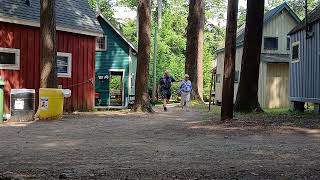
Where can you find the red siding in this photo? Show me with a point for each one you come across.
(27, 39)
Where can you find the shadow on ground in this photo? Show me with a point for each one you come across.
(164, 145)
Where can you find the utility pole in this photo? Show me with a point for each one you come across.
(155, 48)
(229, 61)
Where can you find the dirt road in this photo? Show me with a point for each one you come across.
(172, 145)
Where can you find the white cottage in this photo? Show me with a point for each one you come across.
(275, 58)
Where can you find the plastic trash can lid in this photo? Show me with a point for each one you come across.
(66, 93)
(17, 91)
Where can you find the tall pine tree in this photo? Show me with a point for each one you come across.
(229, 62)
(48, 77)
(247, 97)
(142, 102)
(194, 50)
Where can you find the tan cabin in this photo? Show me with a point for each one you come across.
(275, 58)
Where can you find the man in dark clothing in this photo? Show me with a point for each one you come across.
(165, 88)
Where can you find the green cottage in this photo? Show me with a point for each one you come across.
(116, 62)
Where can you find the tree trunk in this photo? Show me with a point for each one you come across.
(48, 76)
(142, 102)
(194, 49)
(229, 62)
(247, 97)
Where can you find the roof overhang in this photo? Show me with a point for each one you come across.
(119, 33)
(220, 50)
(59, 27)
(275, 58)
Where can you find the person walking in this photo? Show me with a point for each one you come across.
(165, 88)
(185, 92)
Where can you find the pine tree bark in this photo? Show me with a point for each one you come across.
(247, 97)
(194, 49)
(48, 76)
(142, 101)
(229, 61)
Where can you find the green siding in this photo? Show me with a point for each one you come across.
(115, 57)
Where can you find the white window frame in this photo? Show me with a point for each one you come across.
(105, 44)
(299, 55)
(66, 75)
(15, 66)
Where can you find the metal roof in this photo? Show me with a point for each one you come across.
(267, 18)
(71, 15)
(313, 17)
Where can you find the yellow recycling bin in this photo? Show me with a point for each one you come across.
(51, 103)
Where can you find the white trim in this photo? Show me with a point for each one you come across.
(118, 32)
(302, 99)
(37, 24)
(130, 71)
(15, 66)
(123, 80)
(299, 54)
(105, 43)
(69, 56)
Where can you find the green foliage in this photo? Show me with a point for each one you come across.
(242, 16)
(129, 29)
(172, 35)
(128, 3)
(106, 8)
(115, 82)
(296, 5)
(172, 39)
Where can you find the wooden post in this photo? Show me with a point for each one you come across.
(229, 61)
(211, 85)
(154, 70)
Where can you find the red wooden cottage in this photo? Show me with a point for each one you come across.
(77, 29)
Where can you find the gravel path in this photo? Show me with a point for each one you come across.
(172, 145)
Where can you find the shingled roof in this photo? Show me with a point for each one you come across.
(267, 18)
(313, 17)
(71, 15)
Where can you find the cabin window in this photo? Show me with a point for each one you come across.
(64, 61)
(295, 51)
(218, 78)
(271, 43)
(9, 58)
(288, 43)
(101, 43)
(236, 76)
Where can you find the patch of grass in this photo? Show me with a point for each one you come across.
(198, 104)
(94, 110)
(299, 123)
